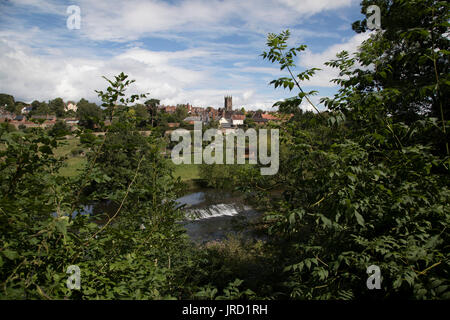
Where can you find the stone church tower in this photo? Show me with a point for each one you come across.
(228, 103)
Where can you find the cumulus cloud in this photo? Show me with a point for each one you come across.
(309, 59)
(43, 77)
(117, 20)
(42, 61)
(314, 6)
(30, 76)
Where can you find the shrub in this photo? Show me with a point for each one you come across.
(87, 138)
(76, 151)
(8, 127)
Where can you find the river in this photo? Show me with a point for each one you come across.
(210, 214)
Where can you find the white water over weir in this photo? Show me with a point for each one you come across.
(216, 210)
(212, 214)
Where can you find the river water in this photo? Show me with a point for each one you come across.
(210, 214)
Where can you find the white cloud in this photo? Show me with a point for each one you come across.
(42, 77)
(31, 76)
(314, 6)
(119, 20)
(56, 62)
(164, 75)
(47, 6)
(309, 59)
(247, 95)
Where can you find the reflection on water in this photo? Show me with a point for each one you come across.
(98, 211)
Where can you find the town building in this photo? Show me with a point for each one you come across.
(169, 109)
(192, 120)
(173, 124)
(71, 106)
(26, 109)
(228, 105)
(238, 119)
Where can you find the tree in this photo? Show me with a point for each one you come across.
(352, 197)
(142, 115)
(39, 108)
(411, 57)
(19, 105)
(59, 129)
(7, 102)
(89, 114)
(152, 108)
(35, 105)
(249, 122)
(57, 107)
(38, 211)
(8, 127)
(181, 113)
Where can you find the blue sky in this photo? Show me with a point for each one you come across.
(179, 51)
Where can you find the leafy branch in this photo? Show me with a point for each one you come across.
(278, 53)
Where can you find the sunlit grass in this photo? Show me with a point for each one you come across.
(187, 171)
(73, 163)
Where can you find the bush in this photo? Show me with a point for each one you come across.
(59, 129)
(87, 138)
(8, 127)
(76, 151)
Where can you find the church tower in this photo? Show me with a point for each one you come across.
(228, 103)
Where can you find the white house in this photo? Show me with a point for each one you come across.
(26, 110)
(238, 119)
(224, 121)
(71, 106)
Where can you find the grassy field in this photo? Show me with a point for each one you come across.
(185, 171)
(72, 163)
(66, 146)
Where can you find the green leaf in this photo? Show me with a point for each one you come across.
(10, 254)
(61, 225)
(359, 218)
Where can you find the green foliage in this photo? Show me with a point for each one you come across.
(416, 74)
(8, 127)
(181, 113)
(115, 94)
(59, 129)
(7, 102)
(135, 253)
(89, 114)
(249, 123)
(87, 138)
(374, 194)
(56, 106)
(285, 57)
(365, 183)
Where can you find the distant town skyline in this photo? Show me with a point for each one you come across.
(194, 51)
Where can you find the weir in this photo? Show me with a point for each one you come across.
(212, 214)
